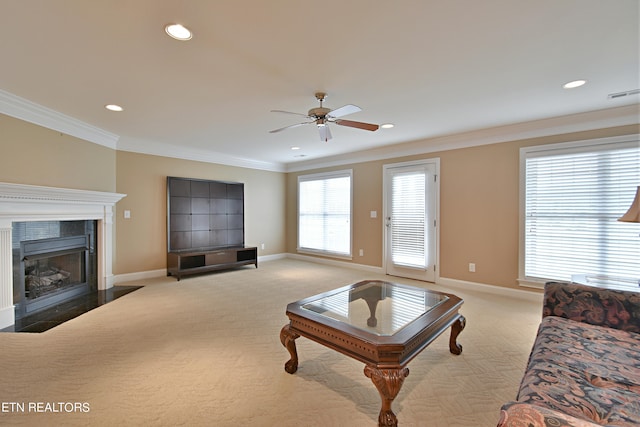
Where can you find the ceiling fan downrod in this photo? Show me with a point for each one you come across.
(322, 116)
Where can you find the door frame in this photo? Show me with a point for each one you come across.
(385, 211)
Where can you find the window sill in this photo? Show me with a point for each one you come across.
(531, 283)
(608, 282)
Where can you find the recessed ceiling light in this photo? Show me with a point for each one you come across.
(178, 32)
(387, 126)
(295, 148)
(574, 84)
(113, 107)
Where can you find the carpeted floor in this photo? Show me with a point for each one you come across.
(205, 351)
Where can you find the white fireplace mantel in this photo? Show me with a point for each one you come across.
(19, 202)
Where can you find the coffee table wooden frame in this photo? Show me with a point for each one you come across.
(385, 357)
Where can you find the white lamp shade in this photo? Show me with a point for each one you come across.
(633, 214)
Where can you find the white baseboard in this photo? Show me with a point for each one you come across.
(336, 263)
(443, 281)
(264, 258)
(141, 275)
(152, 274)
(491, 289)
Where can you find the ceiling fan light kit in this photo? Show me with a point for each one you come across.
(322, 116)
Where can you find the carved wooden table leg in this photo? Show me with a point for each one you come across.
(388, 382)
(288, 339)
(456, 328)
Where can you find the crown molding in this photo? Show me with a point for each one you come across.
(591, 120)
(179, 152)
(23, 109)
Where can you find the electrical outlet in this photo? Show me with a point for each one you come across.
(127, 214)
(262, 245)
(472, 267)
(361, 252)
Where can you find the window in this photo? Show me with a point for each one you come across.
(571, 197)
(324, 213)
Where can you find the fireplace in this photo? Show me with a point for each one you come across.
(51, 270)
(31, 204)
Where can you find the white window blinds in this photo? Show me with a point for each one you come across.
(573, 198)
(324, 213)
(408, 216)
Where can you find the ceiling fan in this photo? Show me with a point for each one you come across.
(322, 116)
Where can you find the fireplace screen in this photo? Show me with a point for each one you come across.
(52, 270)
(53, 273)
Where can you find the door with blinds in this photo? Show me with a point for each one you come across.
(410, 219)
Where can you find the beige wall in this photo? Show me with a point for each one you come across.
(367, 197)
(478, 207)
(478, 198)
(38, 156)
(141, 242)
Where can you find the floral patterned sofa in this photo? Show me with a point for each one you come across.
(584, 368)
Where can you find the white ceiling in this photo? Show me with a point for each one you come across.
(432, 67)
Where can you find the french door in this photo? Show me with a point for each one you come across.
(410, 219)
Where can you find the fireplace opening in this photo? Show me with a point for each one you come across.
(52, 270)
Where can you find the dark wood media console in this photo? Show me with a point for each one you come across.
(205, 227)
(192, 262)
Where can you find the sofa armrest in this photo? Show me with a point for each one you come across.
(517, 414)
(589, 304)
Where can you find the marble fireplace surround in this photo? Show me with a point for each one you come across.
(20, 202)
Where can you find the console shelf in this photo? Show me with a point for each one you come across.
(192, 262)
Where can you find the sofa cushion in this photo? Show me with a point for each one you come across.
(587, 371)
(598, 306)
(516, 414)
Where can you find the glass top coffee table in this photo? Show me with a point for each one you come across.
(384, 325)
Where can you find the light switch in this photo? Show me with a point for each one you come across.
(374, 214)
(127, 214)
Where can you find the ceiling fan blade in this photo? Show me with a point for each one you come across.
(289, 127)
(289, 112)
(344, 110)
(325, 133)
(359, 125)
